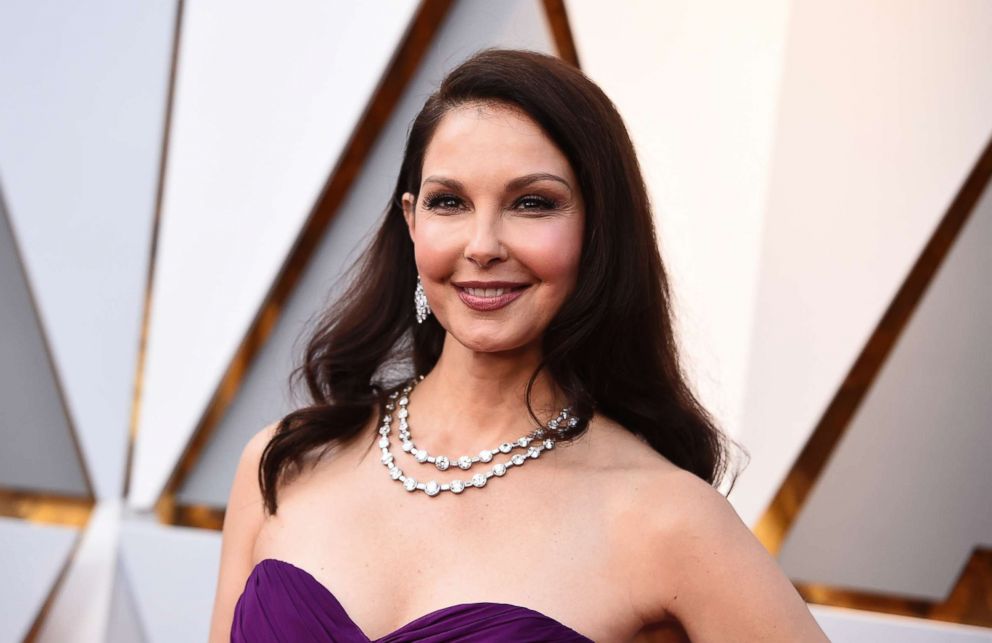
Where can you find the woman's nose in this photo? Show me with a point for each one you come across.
(484, 244)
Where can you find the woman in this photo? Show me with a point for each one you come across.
(501, 445)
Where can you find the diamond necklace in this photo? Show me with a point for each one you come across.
(464, 462)
(433, 487)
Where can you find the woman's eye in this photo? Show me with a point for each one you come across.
(444, 201)
(534, 202)
(441, 202)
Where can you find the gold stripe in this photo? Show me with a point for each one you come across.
(561, 31)
(46, 508)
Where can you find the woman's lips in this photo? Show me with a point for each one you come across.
(489, 303)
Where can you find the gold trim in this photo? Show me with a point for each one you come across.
(401, 68)
(966, 604)
(199, 516)
(774, 525)
(46, 508)
(561, 31)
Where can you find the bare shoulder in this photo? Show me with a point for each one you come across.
(691, 559)
(243, 519)
(245, 500)
(257, 443)
(724, 583)
(245, 493)
(663, 498)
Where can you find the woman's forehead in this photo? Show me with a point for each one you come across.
(476, 139)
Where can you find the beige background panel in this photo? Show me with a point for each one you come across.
(905, 497)
(882, 117)
(257, 125)
(698, 86)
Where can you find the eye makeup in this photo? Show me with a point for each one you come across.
(448, 201)
(434, 201)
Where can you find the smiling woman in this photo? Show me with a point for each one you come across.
(513, 302)
(497, 232)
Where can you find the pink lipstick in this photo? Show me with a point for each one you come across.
(478, 301)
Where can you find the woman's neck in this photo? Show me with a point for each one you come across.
(475, 400)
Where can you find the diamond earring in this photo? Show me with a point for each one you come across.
(420, 302)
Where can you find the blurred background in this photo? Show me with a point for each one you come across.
(182, 182)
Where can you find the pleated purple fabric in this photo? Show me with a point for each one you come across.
(282, 602)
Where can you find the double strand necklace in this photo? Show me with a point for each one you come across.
(555, 427)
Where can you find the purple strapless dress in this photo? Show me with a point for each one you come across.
(282, 602)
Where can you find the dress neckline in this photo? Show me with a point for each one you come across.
(337, 603)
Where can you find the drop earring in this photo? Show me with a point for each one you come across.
(420, 302)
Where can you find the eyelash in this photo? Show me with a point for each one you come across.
(433, 201)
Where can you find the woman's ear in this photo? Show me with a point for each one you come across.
(409, 201)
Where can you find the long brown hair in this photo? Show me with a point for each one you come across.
(611, 346)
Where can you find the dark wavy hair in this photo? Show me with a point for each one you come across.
(610, 348)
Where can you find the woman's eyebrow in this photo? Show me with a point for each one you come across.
(515, 184)
(451, 183)
(527, 179)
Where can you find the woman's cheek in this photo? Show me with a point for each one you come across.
(436, 251)
(551, 252)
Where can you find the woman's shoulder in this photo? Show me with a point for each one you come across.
(647, 483)
(689, 558)
(653, 506)
(255, 445)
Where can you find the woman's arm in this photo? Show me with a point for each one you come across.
(242, 521)
(723, 584)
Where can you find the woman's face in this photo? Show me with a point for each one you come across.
(497, 227)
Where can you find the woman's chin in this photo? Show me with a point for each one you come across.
(483, 341)
(486, 346)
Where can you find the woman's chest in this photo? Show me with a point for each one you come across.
(390, 556)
